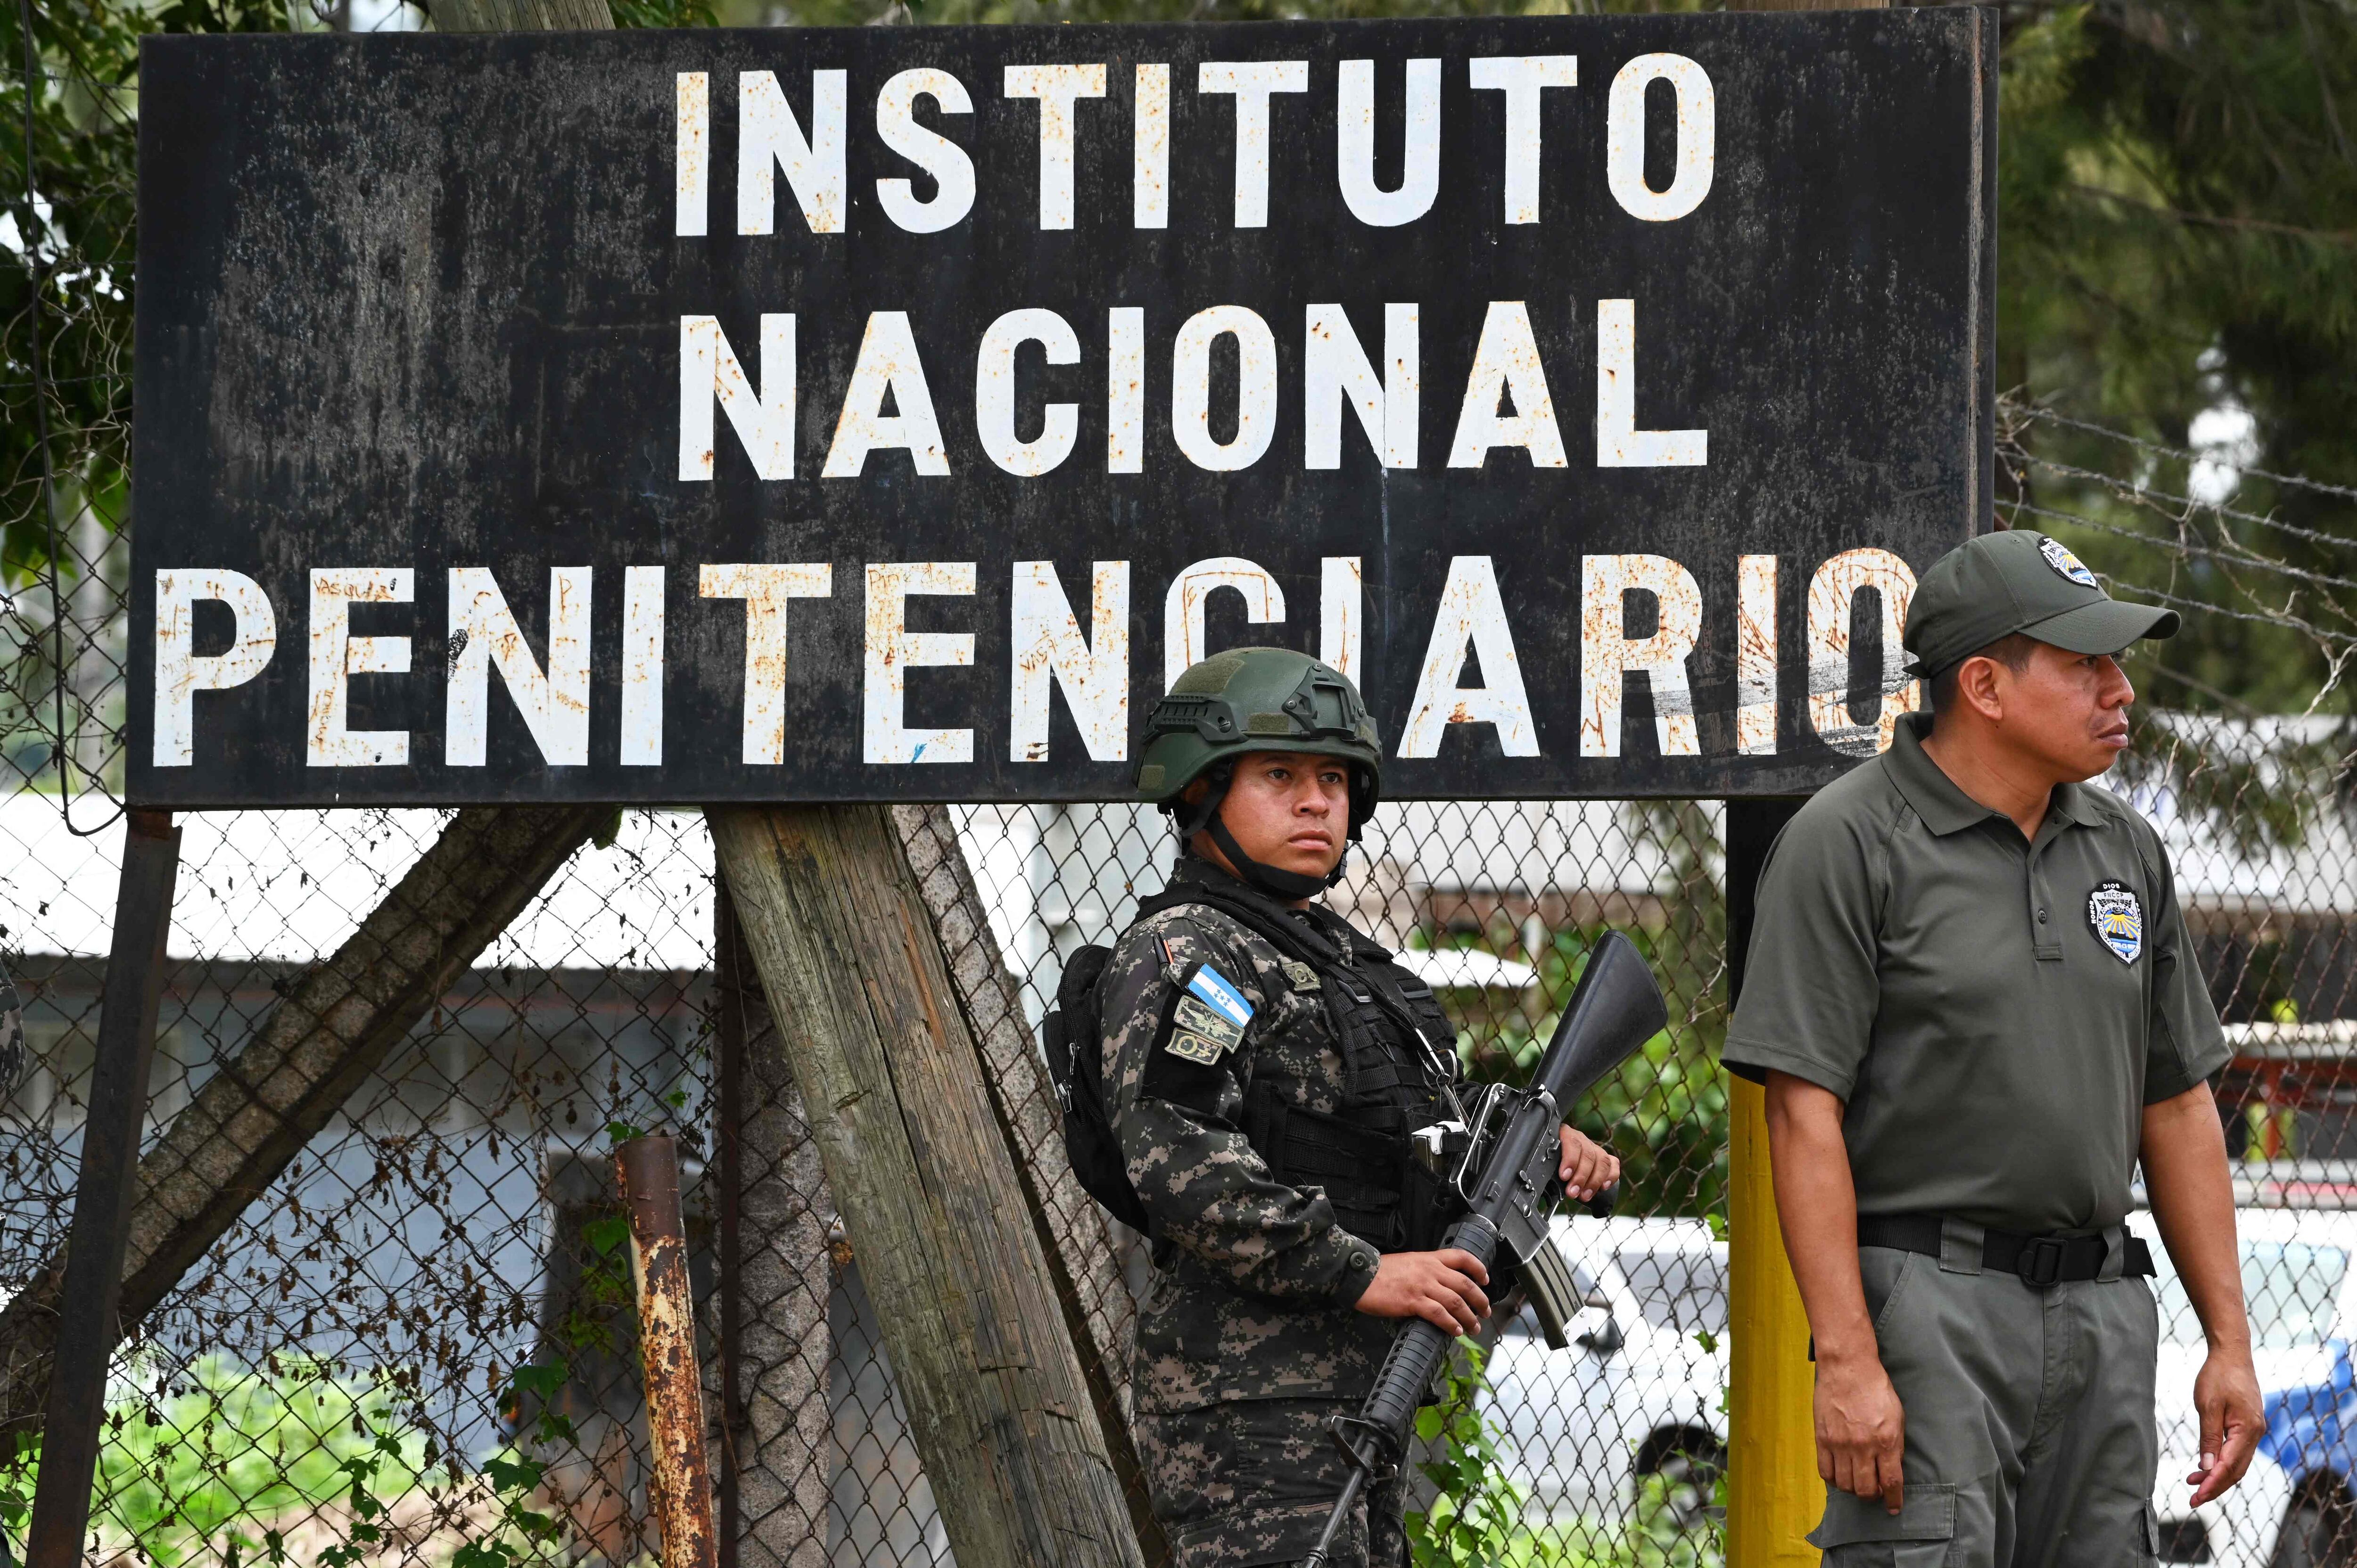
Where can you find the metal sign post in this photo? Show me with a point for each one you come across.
(88, 1330)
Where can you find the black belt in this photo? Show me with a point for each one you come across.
(2040, 1261)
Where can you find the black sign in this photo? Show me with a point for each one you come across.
(888, 413)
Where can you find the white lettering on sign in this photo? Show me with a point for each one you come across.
(642, 666)
(1607, 653)
(766, 589)
(484, 634)
(1522, 78)
(1251, 82)
(1472, 617)
(952, 170)
(1507, 400)
(1334, 368)
(1832, 592)
(1354, 146)
(336, 654)
(1149, 164)
(1182, 608)
(181, 672)
(1190, 388)
(893, 649)
(709, 373)
(1125, 389)
(1055, 87)
(770, 138)
(994, 392)
(1342, 614)
(692, 155)
(1506, 365)
(1619, 443)
(1624, 137)
(1755, 655)
(1048, 649)
(887, 364)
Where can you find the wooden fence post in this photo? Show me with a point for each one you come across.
(997, 1404)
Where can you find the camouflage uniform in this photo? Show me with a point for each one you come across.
(1247, 1342)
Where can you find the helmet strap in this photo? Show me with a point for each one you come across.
(1274, 881)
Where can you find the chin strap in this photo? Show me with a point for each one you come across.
(1272, 880)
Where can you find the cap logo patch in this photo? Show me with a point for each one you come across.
(2117, 920)
(2066, 564)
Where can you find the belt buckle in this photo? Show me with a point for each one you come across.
(2041, 1263)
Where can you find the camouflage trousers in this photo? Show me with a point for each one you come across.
(1248, 1484)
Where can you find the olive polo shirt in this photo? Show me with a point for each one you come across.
(1994, 1013)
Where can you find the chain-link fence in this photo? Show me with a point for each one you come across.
(403, 1335)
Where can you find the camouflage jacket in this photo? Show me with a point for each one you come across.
(1255, 1281)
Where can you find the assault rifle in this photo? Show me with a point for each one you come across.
(1505, 1156)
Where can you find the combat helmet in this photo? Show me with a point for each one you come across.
(1255, 699)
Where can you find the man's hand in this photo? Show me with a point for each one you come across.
(2227, 1396)
(2192, 1194)
(1444, 1288)
(1861, 1429)
(1587, 1167)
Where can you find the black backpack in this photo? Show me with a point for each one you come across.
(1075, 1035)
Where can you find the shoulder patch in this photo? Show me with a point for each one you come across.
(1220, 993)
(2116, 917)
(1196, 1017)
(1193, 1047)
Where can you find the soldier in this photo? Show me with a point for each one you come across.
(1972, 997)
(1264, 1063)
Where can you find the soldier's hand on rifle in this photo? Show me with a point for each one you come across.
(1587, 1167)
(1444, 1288)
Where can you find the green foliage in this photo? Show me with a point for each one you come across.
(2178, 195)
(1478, 1518)
(514, 1478)
(1666, 1111)
(229, 1447)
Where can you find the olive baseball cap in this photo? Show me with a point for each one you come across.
(2016, 581)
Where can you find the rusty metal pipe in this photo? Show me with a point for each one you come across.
(648, 1171)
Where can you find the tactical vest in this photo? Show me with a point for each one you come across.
(1360, 1154)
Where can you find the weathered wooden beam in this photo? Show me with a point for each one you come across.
(1084, 1265)
(998, 1406)
(316, 1045)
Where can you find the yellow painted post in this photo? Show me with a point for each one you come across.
(1773, 1493)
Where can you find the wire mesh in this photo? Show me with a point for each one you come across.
(408, 1339)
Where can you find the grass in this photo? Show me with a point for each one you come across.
(226, 1448)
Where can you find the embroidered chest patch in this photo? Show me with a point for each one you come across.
(1300, 975)
(2116, 917)
(2066, 564)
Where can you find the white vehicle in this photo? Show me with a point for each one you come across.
(1637, 1393)
(2291, 1509)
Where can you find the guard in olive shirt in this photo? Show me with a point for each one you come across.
(1973, 1001)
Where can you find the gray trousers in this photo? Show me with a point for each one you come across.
(2030, 1418)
